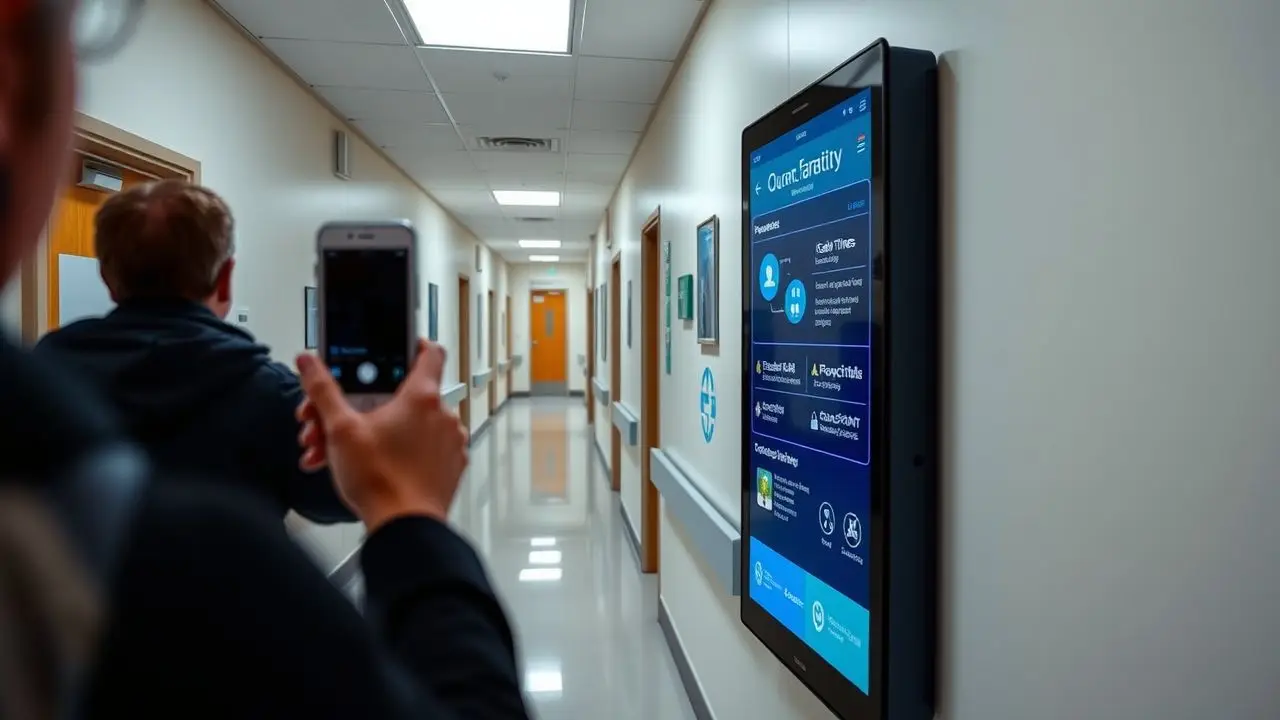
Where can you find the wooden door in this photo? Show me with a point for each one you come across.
(615, 369)
(464, 348)
(492, 363)
(549, 346)
(71, 230)
(651, 339)
(506, 346)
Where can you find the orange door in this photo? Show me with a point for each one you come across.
(71, 229)
(550, 341)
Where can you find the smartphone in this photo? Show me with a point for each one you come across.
(367, 280)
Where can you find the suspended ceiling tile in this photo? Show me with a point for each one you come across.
(610, 28)
(601, 78)
(622, 116)
(511, 73)
(367, 104)
(355, 21)
(382, 67)
(604, 142)
(498, 110)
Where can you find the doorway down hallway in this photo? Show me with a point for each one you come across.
(536, 503)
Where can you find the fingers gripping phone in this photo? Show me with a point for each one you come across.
(367, 282)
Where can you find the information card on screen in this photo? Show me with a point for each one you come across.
(810, 386)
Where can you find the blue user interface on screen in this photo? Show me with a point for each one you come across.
(809, 446)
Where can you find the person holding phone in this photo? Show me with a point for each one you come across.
(124, 594)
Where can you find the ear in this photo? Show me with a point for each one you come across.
(222, 285)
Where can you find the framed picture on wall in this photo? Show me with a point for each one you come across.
(433, 312)
(604, 320)
(708, 280)
(628, 313)
(479, 325)
(311, 308)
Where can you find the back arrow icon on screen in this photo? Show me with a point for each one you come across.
(757, 188)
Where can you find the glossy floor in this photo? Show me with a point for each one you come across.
(537, 504)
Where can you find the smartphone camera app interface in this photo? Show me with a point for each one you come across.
(810, 383)
(366, 314)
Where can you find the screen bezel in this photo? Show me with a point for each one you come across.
(370, 236)
(837, 692)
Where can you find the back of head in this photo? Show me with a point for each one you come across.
(164, 240)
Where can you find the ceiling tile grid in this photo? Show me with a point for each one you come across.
(428, 107)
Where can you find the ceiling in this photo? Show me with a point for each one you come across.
(427, 106)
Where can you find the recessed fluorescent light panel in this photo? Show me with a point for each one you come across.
(540, 244)
(541, 574)
(540, 26)
(544, 557)
(542, 542)
(544, 258)
(531, 198)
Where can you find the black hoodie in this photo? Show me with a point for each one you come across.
(202, 396)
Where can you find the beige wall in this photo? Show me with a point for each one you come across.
(1110, 435)
(192, 83)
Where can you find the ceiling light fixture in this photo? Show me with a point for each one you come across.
(544, 557)
(544, 258)
(541, 574)
(540, 244)
(542, 26)
(535, 198)
(542, 542)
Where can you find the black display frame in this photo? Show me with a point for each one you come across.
(904, 384)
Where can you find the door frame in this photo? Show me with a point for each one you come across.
(591, 356)
(651, 333)
(493, 355)
(506, 347)
(615, 367)
(103, 141)
(464, 347)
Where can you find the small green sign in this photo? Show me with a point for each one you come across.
(685, 294)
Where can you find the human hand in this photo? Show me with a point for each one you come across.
(404, 458)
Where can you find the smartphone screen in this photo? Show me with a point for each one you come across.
(366, 316)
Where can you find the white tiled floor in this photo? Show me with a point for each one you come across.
(537, 504)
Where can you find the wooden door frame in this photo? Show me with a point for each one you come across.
(464, 346)
(507, 345)
(650, 384)
(591, 356)
(615, 368)
(493, 355)
(97, 140)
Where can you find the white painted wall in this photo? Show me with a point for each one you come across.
(570, 277)
(1110, 436)
(192, 83)
(11, 309)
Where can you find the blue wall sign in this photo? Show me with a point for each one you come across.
(707, 405)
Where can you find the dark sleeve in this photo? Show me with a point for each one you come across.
(219, 614)
(310, 494)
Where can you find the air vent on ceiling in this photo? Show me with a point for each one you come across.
(534, 219)
(508, 143)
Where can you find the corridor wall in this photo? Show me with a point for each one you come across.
(191, 82)
(1108, 175)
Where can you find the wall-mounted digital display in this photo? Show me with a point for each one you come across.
(816, 447)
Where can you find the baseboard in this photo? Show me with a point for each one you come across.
(688, 678)
(632, 538)
(475, 436)
(577, 393)
(595, 442)
(347, 570)
(519, 394)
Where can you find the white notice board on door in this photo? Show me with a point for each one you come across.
(81, 292)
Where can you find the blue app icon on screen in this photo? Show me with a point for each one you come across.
(769, 277)
(795, 301)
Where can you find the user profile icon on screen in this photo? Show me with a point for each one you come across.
(764, 488)
(769, 277)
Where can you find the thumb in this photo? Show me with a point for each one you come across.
(428, 366)
(322, 389)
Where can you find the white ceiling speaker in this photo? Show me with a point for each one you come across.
(341, 155)
(101, 177)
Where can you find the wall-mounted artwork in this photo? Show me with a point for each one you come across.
(433, 312)
(709, 281)
(628, 313)
(479, 325)
(684, 297)
(311, 310)
(604, 321)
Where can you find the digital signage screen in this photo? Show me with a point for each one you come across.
(815, 364)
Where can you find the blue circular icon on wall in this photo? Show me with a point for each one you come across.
(795, 301)
(707, 406)
(770, 277)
